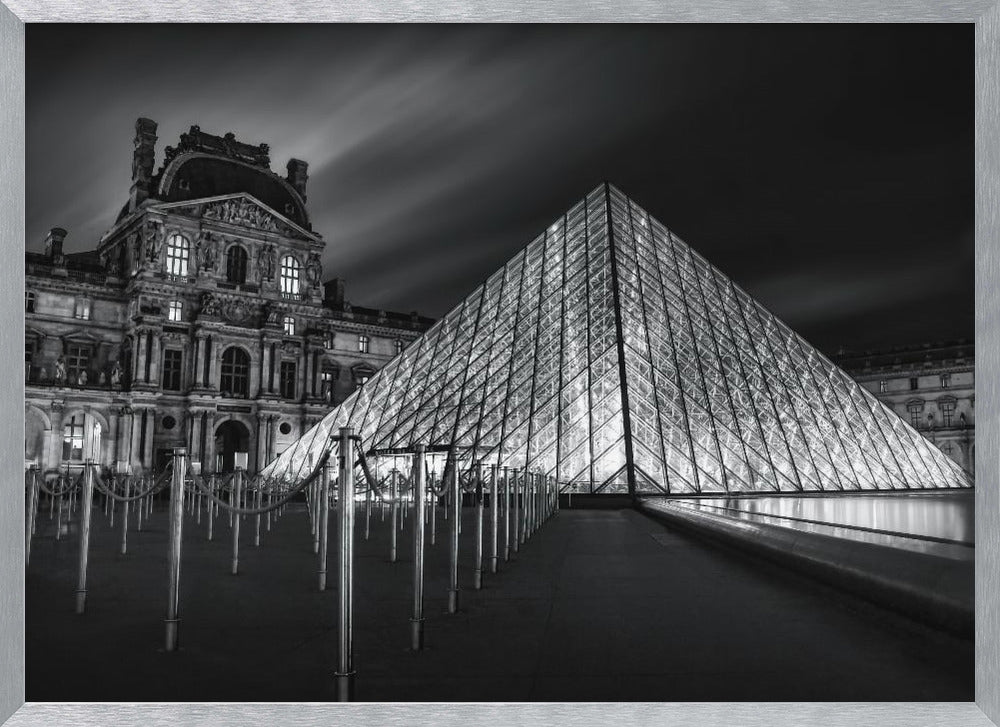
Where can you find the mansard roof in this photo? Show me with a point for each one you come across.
(205, 165)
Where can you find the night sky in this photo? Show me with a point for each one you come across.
(827, 169)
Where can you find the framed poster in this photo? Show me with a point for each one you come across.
(986, 707)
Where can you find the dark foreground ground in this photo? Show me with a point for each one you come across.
(600, 605)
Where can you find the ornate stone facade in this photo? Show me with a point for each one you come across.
(932, 386)
(200, 320)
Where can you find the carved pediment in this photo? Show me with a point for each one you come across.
(82, 338)
(245, 213)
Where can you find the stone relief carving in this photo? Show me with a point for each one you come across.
(268, 314)
(241, 212)
(237, 311)
(209, 305)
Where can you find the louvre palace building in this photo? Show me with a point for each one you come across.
(932, 386)
(202, 319)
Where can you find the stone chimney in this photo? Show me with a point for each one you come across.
(334, 292)
(143, 158)
(54, 245)
(297, 176)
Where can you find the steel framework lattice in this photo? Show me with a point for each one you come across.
(610, 355)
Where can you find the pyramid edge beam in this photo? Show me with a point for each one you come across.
(620, 347)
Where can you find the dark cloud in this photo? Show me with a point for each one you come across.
(827, 169)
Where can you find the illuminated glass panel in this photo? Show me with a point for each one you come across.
(290, 273)
(610, 355)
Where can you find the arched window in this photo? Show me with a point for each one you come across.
(178, 255)
(235, 376)
(236, 265)
(291, 272)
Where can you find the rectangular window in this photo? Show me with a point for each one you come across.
(29, 356)
(29, 301)
(81, 309)
(72, 448)
(883, 386)
(174, 310)
(287, 379)
(947, 413)
(915, 412)
(363, 343)
(399, 347)
(172, 369)
(288, 323)
(914, 383)
(178, 253)
(77, 362)
(327, 379)
(945, 381)
(328, 339)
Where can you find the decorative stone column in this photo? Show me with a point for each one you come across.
(214, 365)
(154, 364)
(195, 429)
(265, 366)
(208, 454)
(136, 439)
(114, 415)
(272, 427)
(56, 434)
(199, 361)
(125, 426)
(150, 435)
(261, 453)
(140, 357)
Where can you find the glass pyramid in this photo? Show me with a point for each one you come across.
(610, 355)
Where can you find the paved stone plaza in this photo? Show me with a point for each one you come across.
(600, 605)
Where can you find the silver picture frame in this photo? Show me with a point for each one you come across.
(985, 14)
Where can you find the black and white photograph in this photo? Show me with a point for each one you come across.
(499, 363)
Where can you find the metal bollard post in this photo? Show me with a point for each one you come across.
(518, 510)
(345, 572)
(211, 506)
(85, 511)
(456, 500)
(368, 509)
(434, 508)
(324, 523)
(237, 488)
(477, 573)
(140, 507)
(59, 510)
(394, 495)
(124, 548)
(506, 514)
(420, 503)
(494, 518)
(29, 527)
(176, 515)
(258, 501)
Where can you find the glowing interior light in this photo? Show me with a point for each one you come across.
(617, 359)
